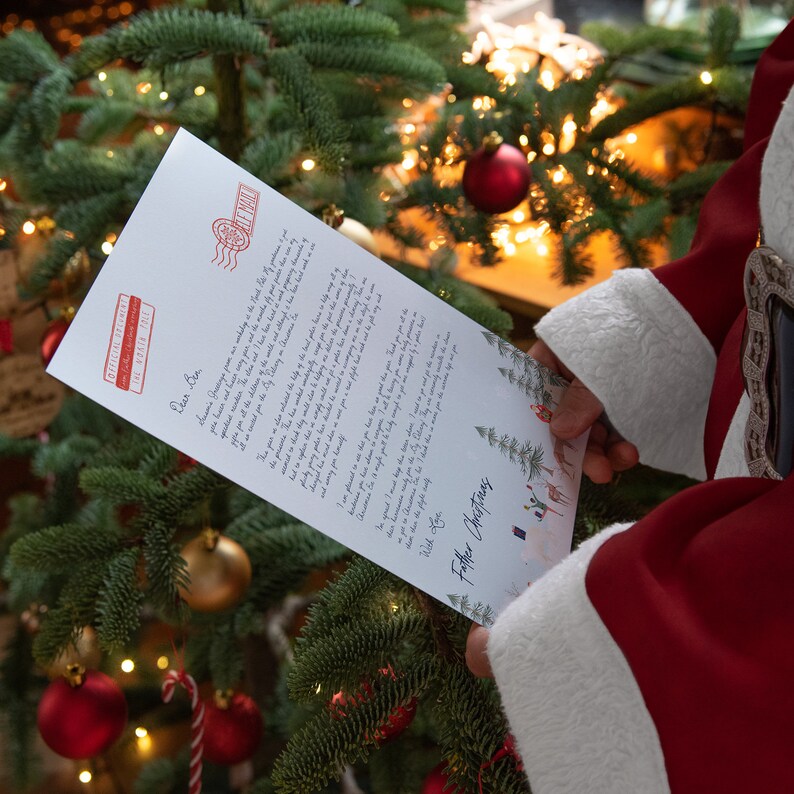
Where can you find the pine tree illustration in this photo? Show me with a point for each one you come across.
(479, 612)
(533, 387)
(525, 455)
(523, 360)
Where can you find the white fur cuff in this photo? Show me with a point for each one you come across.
(637, 349)
(574, 708)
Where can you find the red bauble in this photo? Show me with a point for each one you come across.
(436, 780)
(51, 338)
(232, 729)
(82, 720)
(496, 177)
(397, 721)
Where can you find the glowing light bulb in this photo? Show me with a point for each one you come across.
(143, 88)
(706, 78)
(140, 732)
(407, 103)
(308, 164)
(631, 137)
(199, 90)
(548, 149)
(102, 76)
(547, 79)
(543, 249)
(107, 247)
(158, 129)
(127, 666)
(109, 153)
(162, 662)
(408, 162)
(3, 185)
(28, 227)
(164, 95)
(85, 776)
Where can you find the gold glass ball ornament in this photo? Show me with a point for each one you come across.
(219, 571)
(84, 652)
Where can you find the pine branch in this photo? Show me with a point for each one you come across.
(333, 661)
(121, 486)
(167, 35)
(47, 101)
(119, 601)
(379, 59)
(340, 736)
(61, 548)
(325, 134)
(341, 602)
(331, 23)
(226, 661)
(472, 729)
(25, 56)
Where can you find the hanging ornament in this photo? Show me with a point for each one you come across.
(232, 728)
(85, 652)
(185, 462)
(497, 176)
(82, 714)
(397, 721)
(352, 229)
(76, 272)
(29, 398)
(195, 767)
(437, 780)
(6, 336)
(219, 571)
(54, 333)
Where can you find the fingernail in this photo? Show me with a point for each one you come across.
(563, 421)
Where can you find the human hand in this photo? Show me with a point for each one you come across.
(476, 647)
(579, 409)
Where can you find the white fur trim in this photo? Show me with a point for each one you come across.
(639, 351)
(574, 707)
(777, 185)
(732, 462)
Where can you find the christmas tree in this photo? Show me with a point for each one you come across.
(108, 554)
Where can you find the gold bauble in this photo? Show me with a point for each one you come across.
(219, 571)
(85, 652)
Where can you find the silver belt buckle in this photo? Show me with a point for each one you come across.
(768, 364)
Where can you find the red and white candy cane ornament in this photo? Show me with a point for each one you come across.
(172, 678)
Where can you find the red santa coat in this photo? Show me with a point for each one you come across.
(660, 656)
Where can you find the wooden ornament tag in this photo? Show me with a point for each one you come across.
(29, 398)
(9, 300)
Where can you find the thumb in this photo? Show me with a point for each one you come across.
(578, 410)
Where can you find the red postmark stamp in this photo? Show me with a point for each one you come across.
(128, 350)
(234, 234)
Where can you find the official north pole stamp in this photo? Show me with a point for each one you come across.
(234, 234)
(128, 350)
